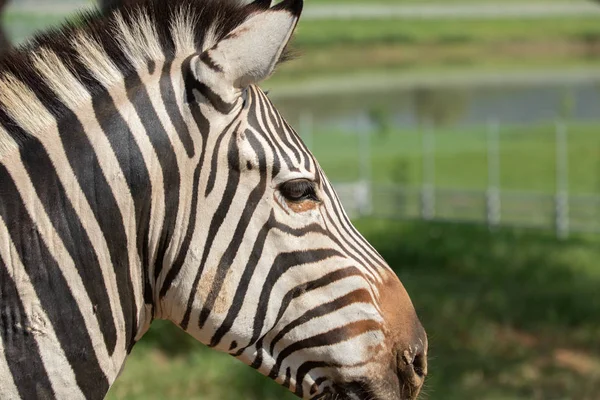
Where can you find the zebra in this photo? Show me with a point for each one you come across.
(144, 175)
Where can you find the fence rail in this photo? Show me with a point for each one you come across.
(564, 214)
(564, 157)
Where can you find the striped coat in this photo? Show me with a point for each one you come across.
(144, 175)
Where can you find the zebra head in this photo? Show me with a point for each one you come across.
(143, 175)
(276, 274)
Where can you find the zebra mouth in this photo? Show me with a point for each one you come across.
(349, 391)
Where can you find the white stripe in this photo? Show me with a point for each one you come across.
(138, 39)
(56, 152)
(261, 117)
(64, 84)
(185, 165)
(205, 211)
(92, 55)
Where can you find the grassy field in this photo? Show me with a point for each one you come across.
(445, 31)
(527, 157)
(510, 315)
(344, 47)
(334, 47)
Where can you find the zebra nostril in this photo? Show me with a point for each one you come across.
(420, 365)
(412, 367)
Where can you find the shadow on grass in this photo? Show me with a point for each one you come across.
(510, 314)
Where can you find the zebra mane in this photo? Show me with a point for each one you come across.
(91, 52)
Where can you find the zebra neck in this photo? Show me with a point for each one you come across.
(70, 291)
(84, 205)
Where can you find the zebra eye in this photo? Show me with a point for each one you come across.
(298, 190)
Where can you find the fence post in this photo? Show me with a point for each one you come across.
(428, 189)
(562, 181)
(306, 129)
(493, 199)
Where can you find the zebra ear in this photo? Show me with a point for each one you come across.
(250, 52)
(261, 4)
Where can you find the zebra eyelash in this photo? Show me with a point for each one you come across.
(298, 190)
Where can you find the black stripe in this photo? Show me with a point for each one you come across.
(300, 145)
(304, 369)
(282, 263)
(253, 122)
(357, 296)
(288, 378)
(21, 350)
(251, 266)
(230, 253)
(310, 286)
(86, 167)
(337, 237)
(244, 285)
(349, 234)
(343, 232)
(350, 229)
(138, 95)
(20, 136)
(329, 338)
(214, 161)
(67, 224)
(169, 98)
(217, 101)
(225, 264)
(131, 162)
(185, 246)
(284, 131)
(210, 63)
(267, 130)
(52, 290)
(204, 127)
(218, 218)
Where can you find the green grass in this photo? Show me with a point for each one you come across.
(336, 47)
(169, 364)
(21, 25)
(527, 156)
(510, 315)
(345, 47)
(445, 31)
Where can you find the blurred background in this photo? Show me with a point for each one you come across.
(464, 140)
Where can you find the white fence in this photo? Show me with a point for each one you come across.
(563, 214)
(562, 211)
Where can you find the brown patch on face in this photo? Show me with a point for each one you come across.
(404, 331)
(297, 206)
(302, 206)
(206, 283)
(375, 351)
(401, 364)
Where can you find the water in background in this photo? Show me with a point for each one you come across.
(465, 105)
